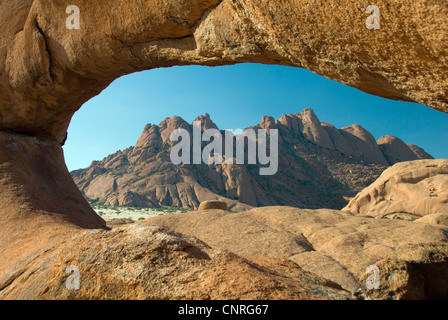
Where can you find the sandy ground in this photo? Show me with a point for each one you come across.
(109, 213)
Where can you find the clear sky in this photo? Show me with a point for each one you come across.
(237, 97)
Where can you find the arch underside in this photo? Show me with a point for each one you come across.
(48, 71)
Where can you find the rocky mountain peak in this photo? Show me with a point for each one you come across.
(394, 149)
(168, 125)
(206, 121)
(361, 133)
(364, 144)
(314, 159)
(312, 129)
(421, 153)
(290, 125)
(148, 136)
(308, 113)
(267, 123)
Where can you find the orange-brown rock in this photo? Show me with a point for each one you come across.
(363, 143)
(36, 188)
(213, 204)
(140, 261)
(264, 253)
(418, 271)
(435, 218)
(395, 149)
(331, 244)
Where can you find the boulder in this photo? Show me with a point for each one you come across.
(418, 271)
(414, 189)
(212, 204)
(435, 218)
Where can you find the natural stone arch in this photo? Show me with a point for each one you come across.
(48, 71)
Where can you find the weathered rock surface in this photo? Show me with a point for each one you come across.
(264, 253)
(33, 181)
(363, 143)
(418, 271)
(213, 204)
(140, 261)
(332, 244)
(48, 71)
(319, 165)
(414, 189)
(435, 218)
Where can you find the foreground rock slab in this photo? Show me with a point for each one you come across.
(334, 245)
(418, 271)
(263, 253)
(140, 261)
(213, 204)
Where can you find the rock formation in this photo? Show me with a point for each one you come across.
(408, 189)
(418, 271)
(331, 244)
(47, 72)
(394, 149)
(421, 154)
(319, 165)
(140, 261)
(213, 204)
(435, 218)
(362, 142)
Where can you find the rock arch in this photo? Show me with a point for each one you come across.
(48, 71)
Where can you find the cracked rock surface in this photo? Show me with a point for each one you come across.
(331, 244)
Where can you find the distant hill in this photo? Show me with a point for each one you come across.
(319, 166)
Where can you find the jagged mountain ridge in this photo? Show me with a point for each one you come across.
(319, 166)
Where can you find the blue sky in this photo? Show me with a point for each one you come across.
(237, 97)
